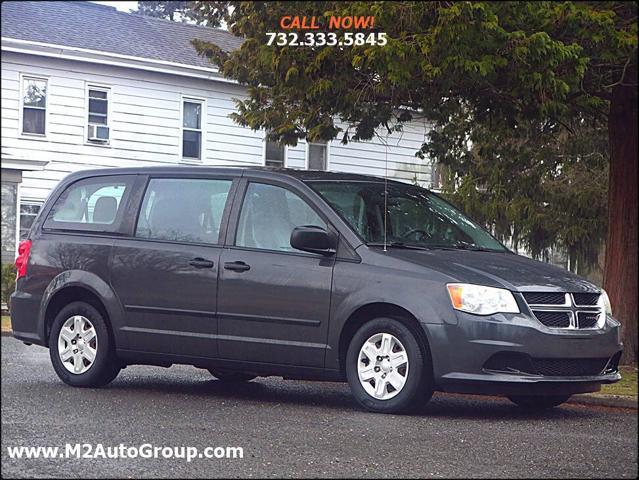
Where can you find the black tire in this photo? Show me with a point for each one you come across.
(105, 367)
(231, 377)
(538, 402)
(418, 387)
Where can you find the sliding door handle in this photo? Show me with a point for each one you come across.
(237, 266)
(200, 262)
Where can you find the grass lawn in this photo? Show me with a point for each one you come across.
(6, 323)
(627, 386)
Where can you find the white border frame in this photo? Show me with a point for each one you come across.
(203, 123)
(264, 141)
(328, 154)
(103, 88)
(21, 133)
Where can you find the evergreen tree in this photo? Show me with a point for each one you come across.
(177, 11)
(520, 71)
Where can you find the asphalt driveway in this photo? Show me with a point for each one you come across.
(294, 429)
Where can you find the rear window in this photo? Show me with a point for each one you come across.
(93, 204)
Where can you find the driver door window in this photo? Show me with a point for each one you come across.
(269, 215)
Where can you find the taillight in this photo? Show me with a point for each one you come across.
(24, 249)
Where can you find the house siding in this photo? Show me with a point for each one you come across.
(145, 126)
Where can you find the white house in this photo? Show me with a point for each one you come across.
(84, 85)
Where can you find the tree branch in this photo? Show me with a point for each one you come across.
(623, 74)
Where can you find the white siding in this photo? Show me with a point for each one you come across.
(146, 130)
(392, 153)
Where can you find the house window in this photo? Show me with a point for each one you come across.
(28, 213)
(317, 156)
(98, 130)
(275, 153)
(192, 129)
(34, 105)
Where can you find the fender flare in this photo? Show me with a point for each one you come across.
(90, 282)
(427, 313)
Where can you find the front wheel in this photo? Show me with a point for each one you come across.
(387, 369)
(538, 402)
(80, 347)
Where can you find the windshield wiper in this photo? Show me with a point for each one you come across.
(409, 246)
(454, 246)
(462, 246)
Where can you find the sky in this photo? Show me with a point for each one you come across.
(124, 6)
(127, 6)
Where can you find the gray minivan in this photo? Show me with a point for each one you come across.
(306, 275)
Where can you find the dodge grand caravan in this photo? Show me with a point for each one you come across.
(307, 275)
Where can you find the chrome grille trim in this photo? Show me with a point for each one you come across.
(571, 308)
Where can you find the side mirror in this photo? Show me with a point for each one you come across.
(313, 239)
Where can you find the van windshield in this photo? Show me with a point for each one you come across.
(415, 217)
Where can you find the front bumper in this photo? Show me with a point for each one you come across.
(464, 356)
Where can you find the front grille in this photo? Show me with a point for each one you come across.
(553, 319)
(569, 367)
(586, 298)
(545, 298)
(587, 319)
(558, 310)
(520, 363)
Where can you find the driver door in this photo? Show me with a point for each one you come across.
(273, 301)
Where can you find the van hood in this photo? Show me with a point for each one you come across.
(506, 270)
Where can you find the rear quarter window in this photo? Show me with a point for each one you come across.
(92, 204)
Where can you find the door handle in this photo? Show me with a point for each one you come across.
(236, 266)
(199, 262)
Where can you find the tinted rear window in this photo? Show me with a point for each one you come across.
(92, 204)
(183, 210)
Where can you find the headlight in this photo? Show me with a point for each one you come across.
(604, 302)
(481, 300)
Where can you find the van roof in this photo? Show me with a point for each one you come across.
(274, 172)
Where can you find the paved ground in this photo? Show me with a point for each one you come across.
(295, 429)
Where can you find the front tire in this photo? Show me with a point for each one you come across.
(80, 346)
(538, 402)
(387, 368)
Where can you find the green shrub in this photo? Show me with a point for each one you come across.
(8, 281)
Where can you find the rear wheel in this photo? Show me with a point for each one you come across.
(80, 347)
(387, 369)
(231, 377)
(538, 402)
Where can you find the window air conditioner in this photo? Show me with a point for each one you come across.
(98, 133)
